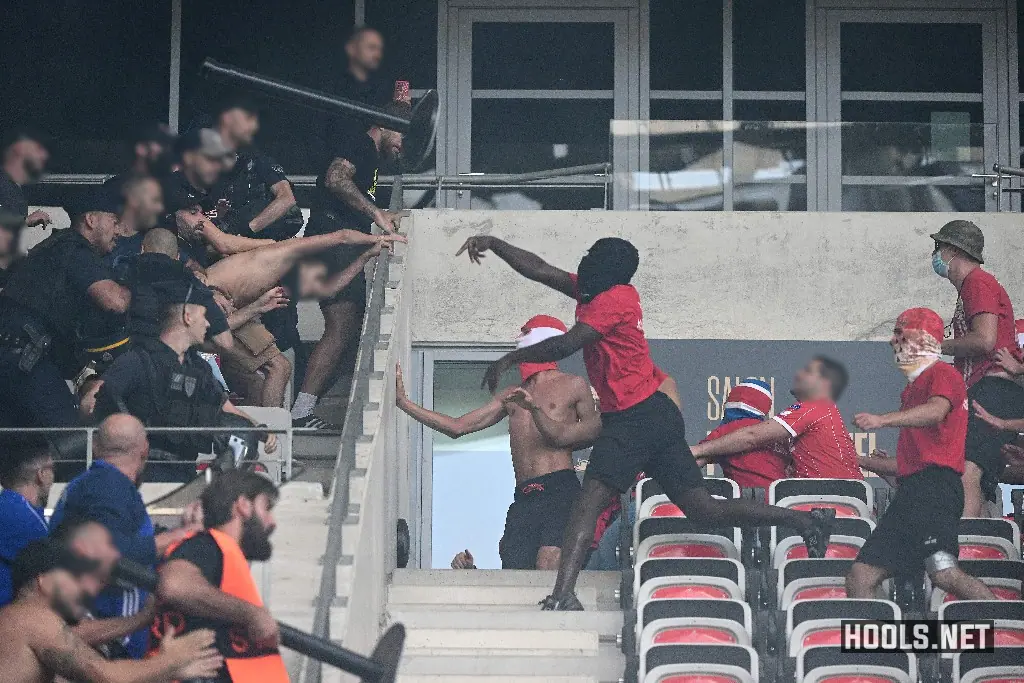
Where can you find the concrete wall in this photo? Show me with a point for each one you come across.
(800, 276)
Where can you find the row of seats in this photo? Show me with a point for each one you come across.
(692, 594)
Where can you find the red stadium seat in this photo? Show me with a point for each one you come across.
(811, 580)
(842, 509)
(848, 536)
(832, 665)
(733, 663)
(1004, 665)
(825, 615)
(734, 613)
(850, 497)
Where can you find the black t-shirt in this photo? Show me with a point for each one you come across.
(247, 187)
(203, 552)
(375, 91)
(152, 278)
(12, 198)
(329, 212)
(52, 282)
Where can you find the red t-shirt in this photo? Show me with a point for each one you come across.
(619, 365)
(821, 447)
(753, 469)
(941, 444)
(982, 293)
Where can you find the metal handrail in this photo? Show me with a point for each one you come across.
(351, 430)
(90, 430)
(590, 175)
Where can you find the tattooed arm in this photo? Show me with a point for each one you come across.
(339, 182)
(65, 654)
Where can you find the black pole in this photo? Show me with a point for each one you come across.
(380, 669)
(296, 93)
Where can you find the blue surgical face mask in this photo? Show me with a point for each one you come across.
(940, 267)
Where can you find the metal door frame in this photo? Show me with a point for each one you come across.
(630, 91)
(999, 80)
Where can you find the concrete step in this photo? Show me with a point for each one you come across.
(607, 666)
(605, 623)
(498, 577)
(496, 679)
(484, 642)
(488, 597)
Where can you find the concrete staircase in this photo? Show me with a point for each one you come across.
(483, 626)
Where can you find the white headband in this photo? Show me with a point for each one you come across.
(536, 336)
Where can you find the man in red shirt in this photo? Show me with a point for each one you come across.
(983, 326)
(642, 428)
(748, 404)
(920, 525)
(819, 443)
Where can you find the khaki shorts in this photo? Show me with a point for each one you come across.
(254, 347)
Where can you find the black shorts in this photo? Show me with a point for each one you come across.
(922, 519)
(649, 437)
(537, 518)
(1003, 398)
(341, 257)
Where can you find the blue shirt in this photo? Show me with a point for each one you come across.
(105, 495)
(20, 524)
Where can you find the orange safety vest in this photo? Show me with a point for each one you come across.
(246, 662)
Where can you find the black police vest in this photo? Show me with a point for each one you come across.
(148, 276)
(39, 284)
(183, 395)
(249, 196)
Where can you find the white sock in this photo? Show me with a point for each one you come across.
(303, 407)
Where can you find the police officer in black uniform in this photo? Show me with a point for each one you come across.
(45, 297)
(165, 383)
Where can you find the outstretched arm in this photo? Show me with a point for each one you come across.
(339, 281)
(548, 351)
(1003, 425)
(453, 427)
(931, 412)
(741, 441)
(339, 181)
(527, 264)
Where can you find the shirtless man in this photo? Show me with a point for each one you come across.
(254, 366)
(37, 642)
(546, 483)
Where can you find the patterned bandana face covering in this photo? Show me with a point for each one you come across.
(917, 341)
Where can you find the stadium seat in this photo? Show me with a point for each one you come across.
(1007, 614)
(682, 537)
(700, 663)
(849, 497)
(989, 539)
(848, 535)
(710, 673)
(811, 580)
(677, 578)
(1004, 577)
(734, 611)
(831, 665)
(811, 623)
(720, 487)
(1005, 665)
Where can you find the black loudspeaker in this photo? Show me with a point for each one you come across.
(403, 544)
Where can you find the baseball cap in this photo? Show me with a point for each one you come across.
(104, 199)
(44, 556)
(154, 132)
(206, 141)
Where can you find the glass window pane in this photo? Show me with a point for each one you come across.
(515, 136)
(686, 45)
(914, 198)
(769, 197)
(950, 146)
(686, 167)
(909, 112)
(543, 56)
(409, 28)
(483, 458)
(87, 73)
(532, 199)
(769, 45)
(911, 57)
(769, 110)
(770, 142)
(686, 110)
(303, 45)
